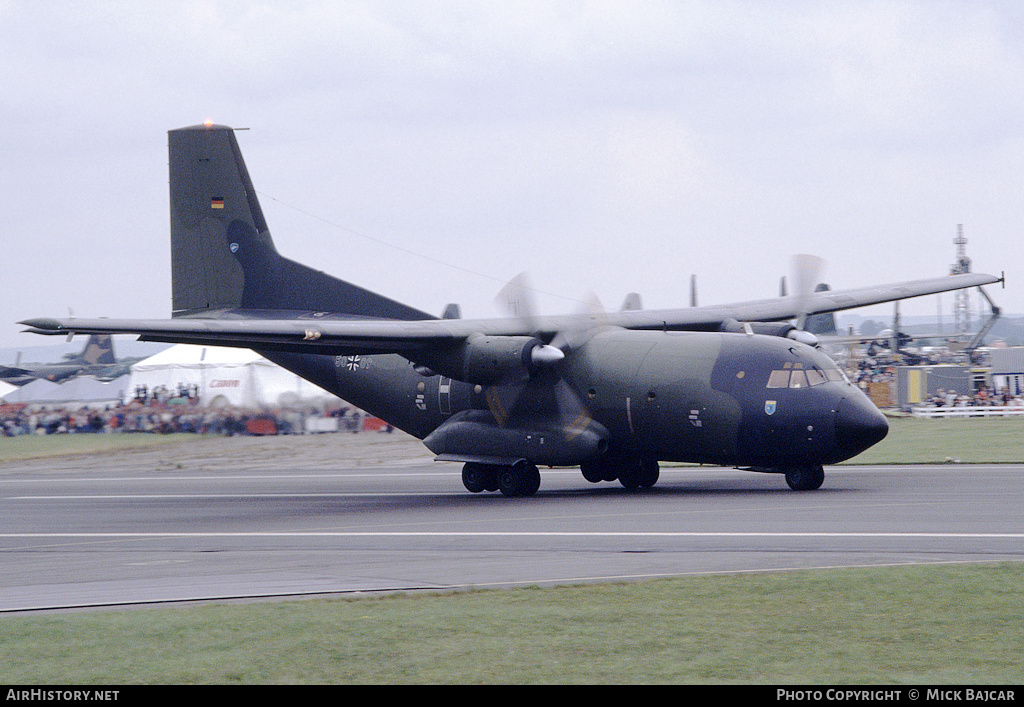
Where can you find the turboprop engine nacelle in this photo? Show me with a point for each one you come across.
(489, 360)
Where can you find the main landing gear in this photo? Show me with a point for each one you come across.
(632, 472)
(523, 478)
(519, 479)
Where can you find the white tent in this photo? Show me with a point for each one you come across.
(30, 392)
(6, 389)
(84, 390)
(223, 376)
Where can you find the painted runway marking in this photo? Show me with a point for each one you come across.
(502, 534)
(193, 496)
(231, 477)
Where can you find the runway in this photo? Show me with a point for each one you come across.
(341, 514)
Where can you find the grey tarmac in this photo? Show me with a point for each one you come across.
(252, 517)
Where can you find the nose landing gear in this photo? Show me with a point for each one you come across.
(805, 478)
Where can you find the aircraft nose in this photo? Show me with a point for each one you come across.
(859, 424)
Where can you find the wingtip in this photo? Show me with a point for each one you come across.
(43, 324)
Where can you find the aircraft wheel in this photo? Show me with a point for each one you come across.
(805, 478)
(530, 480)
(492, 479)
(629, 475)
(610, 468)
(508, 481)
(592, 471)
(522, 479)
(650, 472)
(639, 474)
(474, 477)
(629, 481)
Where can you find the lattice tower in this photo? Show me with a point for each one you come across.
(962, 301)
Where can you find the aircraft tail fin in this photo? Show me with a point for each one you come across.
(98, 351)
(222, 255)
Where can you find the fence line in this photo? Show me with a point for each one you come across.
(968, 411)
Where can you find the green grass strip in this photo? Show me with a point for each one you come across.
(990, 440)
(950, 624)
(26, 447)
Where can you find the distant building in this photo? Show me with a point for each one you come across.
(1008, 369)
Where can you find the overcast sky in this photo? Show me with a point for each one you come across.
(433, 150)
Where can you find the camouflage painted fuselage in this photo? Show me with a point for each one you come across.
(668, 396)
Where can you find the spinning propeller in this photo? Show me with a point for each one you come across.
(518, 300)
(807, 273)
(547, 389)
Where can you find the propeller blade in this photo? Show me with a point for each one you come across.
(517, 299)
(548, 392)
(807, 272)
(590, 316)
(573, 415)
(632, 303)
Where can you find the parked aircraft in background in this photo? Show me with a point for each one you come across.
(97, 355)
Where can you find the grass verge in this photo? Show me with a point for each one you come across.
(990, 440)
(26, 447)
(952, 624)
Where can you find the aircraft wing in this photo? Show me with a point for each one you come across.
(327, 336)
(369, 336)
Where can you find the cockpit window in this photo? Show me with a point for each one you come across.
(799, 378)
(778, 379)
(816, 376)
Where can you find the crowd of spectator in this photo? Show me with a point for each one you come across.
(979, 398)
(150, 415)
(868, 372)
(161, 394)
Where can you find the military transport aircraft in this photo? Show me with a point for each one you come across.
(97, 355)
(611, 392)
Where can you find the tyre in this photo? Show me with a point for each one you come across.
(474, 477)
(805, 478)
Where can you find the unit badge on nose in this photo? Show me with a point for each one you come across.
(769, 407)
